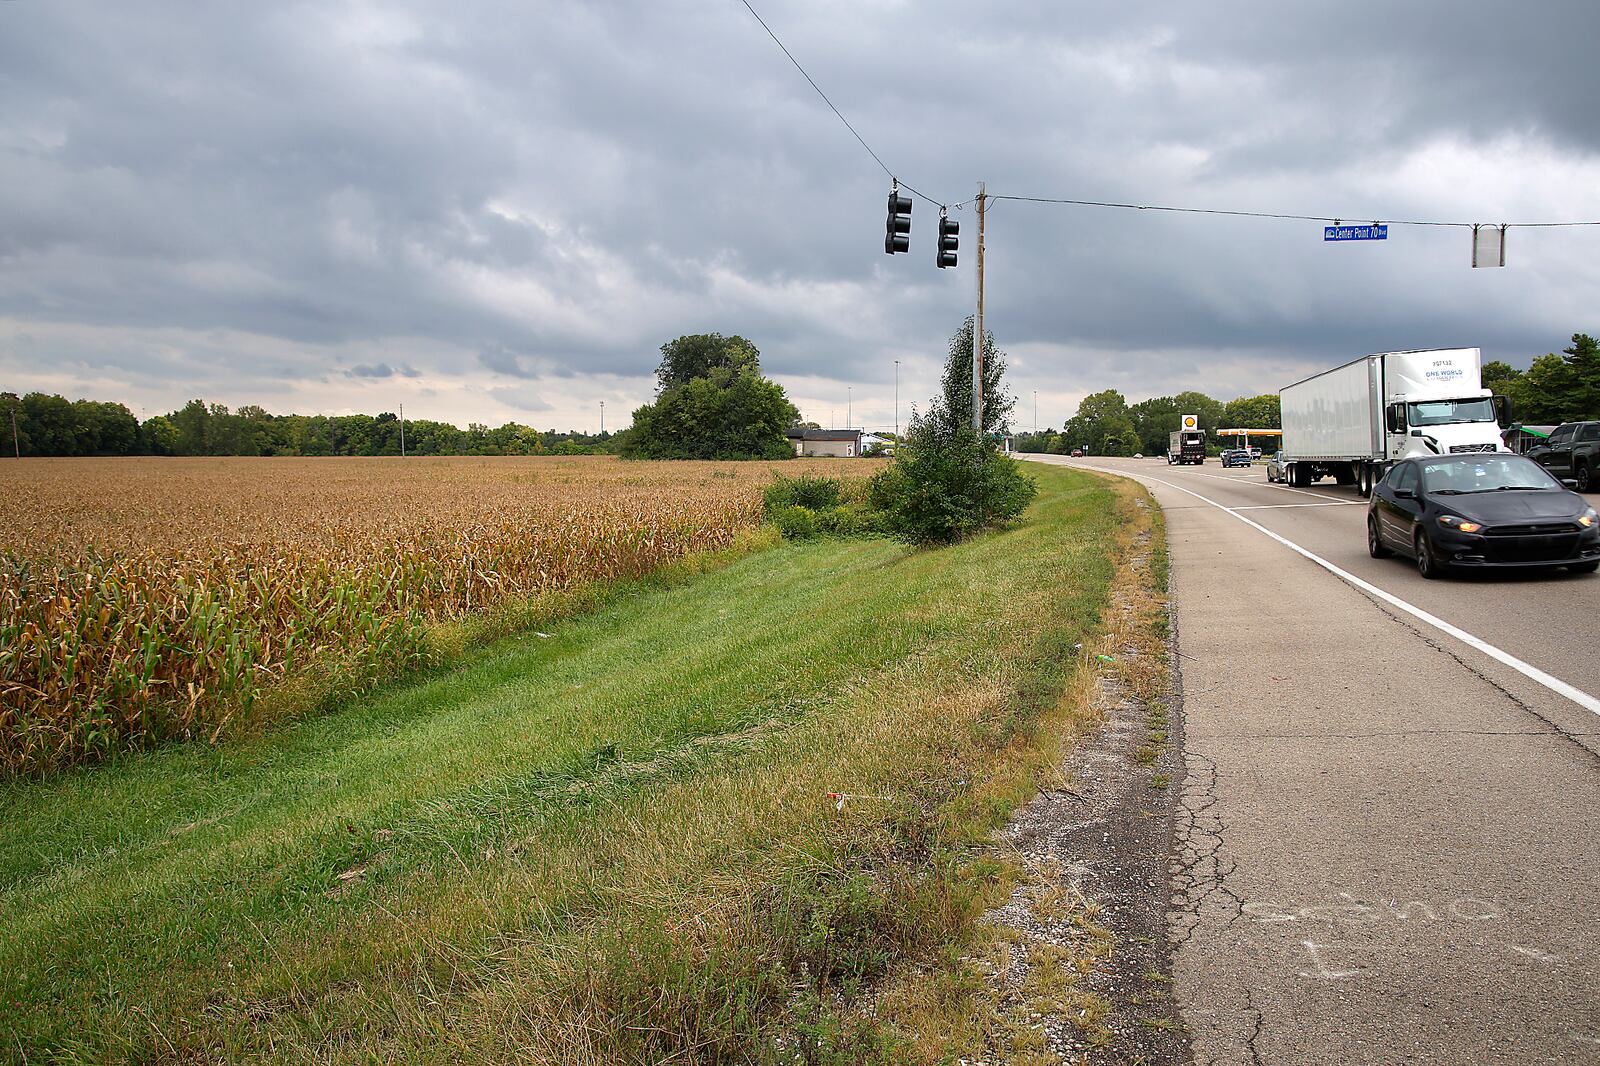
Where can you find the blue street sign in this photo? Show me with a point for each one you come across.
(1373, 232)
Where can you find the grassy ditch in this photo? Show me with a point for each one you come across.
(691, 825)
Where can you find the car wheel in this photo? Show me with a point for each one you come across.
(1429, 565)
(1584, 568)
(1375, 546)
(1581, 476)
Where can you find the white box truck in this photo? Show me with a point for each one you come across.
(1351, 422)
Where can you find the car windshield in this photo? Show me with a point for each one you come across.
(1442, 412)
(1484, 473)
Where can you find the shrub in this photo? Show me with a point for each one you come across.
(947, 482)
(794, 522)
(815, 493)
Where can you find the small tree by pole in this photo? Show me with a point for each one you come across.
(997, 403)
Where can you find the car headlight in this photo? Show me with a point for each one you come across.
(1450, 521)
(1588, 518)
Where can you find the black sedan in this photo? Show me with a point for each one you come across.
(1481, 512)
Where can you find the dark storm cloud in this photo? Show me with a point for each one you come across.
(510, 194)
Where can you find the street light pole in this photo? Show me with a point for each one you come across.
(897, 402)
(602, 418)
(1035, 412)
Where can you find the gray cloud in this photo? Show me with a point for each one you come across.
(382, 370)
(519, 204)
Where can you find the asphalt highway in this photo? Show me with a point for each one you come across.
(1388, 838)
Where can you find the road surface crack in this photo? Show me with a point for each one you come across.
(1516, 700)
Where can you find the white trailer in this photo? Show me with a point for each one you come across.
(1351, 422)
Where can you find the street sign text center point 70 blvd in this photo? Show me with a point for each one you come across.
(1374, 232)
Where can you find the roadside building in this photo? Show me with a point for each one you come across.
(840, 443)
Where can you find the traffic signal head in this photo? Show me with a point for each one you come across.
(948, 241)
(897, 228)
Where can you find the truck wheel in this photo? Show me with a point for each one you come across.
(1375, 546)
(1581, 476)
(1429, 565)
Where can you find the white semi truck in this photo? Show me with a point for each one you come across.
(1351, 422)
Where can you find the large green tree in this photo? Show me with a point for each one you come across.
(1154, 420)
(1102, 416)
(722, 409)
(1253, 412)
(697, 355)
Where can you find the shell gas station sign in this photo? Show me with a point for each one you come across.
(1190, 422)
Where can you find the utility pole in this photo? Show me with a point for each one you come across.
(402, 431)
(602, 418)
(849, 419)
(1035, 412)
(977, 326)
(897, 401)
(16, 449)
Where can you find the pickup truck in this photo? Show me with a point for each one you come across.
(1572, 453)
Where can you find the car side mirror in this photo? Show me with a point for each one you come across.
(1569, 482)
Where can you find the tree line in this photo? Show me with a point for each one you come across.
(51, 425)
(1556, 388)
(1106, 424)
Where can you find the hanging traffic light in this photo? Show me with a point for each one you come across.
(897, 228)
(949, 228)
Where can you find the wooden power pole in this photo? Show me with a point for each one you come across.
(977, 326)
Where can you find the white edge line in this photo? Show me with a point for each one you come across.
(1533, 673)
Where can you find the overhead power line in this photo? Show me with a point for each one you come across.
(1266, 214)
(875, 158)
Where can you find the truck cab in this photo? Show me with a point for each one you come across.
(1449, 426)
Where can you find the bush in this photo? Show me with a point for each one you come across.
(947, 482)
(815, 493)
(795, 523)
(810, 506)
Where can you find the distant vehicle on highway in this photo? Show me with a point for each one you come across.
(1481, 512)
(1186, 446)
(1276, 467)
(1573, 451)
(1236, 457)
(1077, 453)
(1350, 423)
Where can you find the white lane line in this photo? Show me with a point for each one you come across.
(1528, 670)
(1281, 506)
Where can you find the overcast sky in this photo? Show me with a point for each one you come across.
(500, 211)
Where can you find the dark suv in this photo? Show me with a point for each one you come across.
(1572, 452)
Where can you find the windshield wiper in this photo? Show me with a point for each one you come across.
(1450, 492)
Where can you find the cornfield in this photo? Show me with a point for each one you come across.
(142, 600)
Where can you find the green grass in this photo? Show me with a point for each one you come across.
(613, 844)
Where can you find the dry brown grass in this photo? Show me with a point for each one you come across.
(144, 599)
